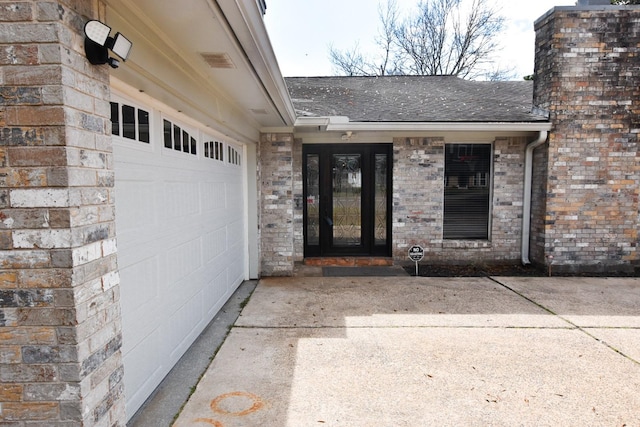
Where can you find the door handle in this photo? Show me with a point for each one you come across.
(328, 220)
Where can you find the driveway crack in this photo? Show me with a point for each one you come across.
(574, 325)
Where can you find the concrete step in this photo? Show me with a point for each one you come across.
(348, 261)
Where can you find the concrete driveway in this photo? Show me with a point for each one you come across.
(411, 351)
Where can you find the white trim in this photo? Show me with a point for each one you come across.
(259, 53)
(489, 240)
(122, 99)
(342, 124)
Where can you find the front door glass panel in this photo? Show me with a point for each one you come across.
(313, 199)
(347, 200)
(380, 198)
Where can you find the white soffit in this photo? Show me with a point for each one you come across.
(217, 52)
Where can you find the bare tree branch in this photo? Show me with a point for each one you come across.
(442, 37)
(348, 62)
(389, 62)
(353, 63)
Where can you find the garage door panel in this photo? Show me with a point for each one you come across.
(146, 323)
(186, 318)
(236, 274)
(234, 192)
(214, 244)
(144, 277)
(140, 196)
(235, 229)
(213, 195)
(181, 200)
(236, 265)
(174, 236)
(143, 368)
(215, 295)
(180, 235)
(183, 260)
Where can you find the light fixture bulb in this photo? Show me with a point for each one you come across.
(97, 32)
(121, 46)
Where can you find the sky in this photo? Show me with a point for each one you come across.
(301, 31)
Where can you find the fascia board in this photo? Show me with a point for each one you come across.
(257, 46)
(438, 126)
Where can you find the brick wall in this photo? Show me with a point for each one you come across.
(588, 78)
(60, 361)
(539, 219)
(298, 203)
(418, 204)
(418, 188)
(276, 176)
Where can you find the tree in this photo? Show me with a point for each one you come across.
(352, 62)
(625, 1)
(443, 37)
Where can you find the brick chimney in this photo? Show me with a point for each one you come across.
(585, 201)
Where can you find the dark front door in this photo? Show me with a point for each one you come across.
(347, 199)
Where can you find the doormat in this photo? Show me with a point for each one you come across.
(369, 271)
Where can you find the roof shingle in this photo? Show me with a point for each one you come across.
(413, 99)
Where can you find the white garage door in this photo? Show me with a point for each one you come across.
(180, 233)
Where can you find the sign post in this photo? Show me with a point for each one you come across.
(416, 253)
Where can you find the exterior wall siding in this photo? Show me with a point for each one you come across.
(60, 321)
(298, 203)
(418, 203)
(539, 217)
(588, 78)
(418, 189)
(276, 176)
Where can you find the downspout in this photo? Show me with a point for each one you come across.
(526, 207)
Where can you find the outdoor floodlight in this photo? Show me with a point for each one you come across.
(97, 44)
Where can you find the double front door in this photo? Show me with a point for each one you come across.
(347, 195)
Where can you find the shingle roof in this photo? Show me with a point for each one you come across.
(413, 99)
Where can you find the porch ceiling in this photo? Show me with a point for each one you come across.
(220, 46)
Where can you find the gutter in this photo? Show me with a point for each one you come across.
(526, 206)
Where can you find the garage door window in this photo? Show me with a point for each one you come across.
(214, 150)
(234, 156)
(467, 191)
(130, 122)
(178, 139)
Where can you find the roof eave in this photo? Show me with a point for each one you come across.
(248, 24)
(341, 124)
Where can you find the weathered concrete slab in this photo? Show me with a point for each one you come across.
(584, 301)
(427, 351)
(415, 377)
(624, 340)
(390, 302)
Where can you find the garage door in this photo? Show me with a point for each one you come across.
(180, 233)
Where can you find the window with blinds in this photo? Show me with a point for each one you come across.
(467, 174)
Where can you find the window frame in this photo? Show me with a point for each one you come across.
(157, 113)
(181, 129)
(234, 155)
(133, 142)
(458, 148)
(215, 149)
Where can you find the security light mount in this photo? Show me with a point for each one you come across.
(97, 44)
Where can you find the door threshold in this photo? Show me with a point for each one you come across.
(348, 261)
